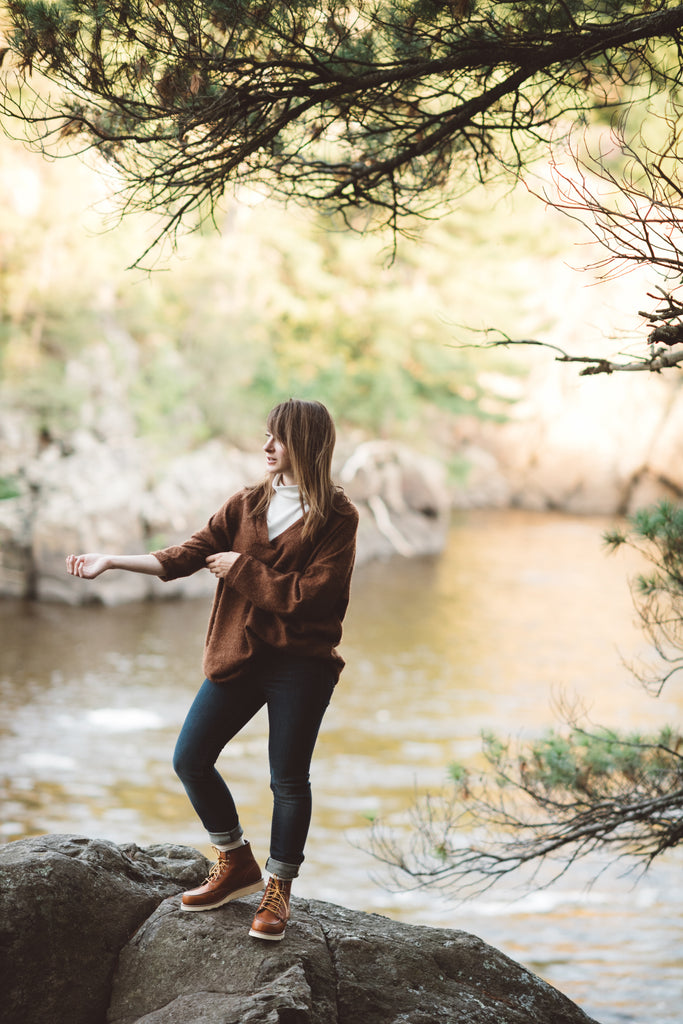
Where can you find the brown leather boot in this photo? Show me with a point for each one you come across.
(273, 914)
(234, 874)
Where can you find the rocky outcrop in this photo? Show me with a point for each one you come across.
(92, 932)
(402, 498)
(92, 496)
(67, 907)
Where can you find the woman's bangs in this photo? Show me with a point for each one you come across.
(276, 424)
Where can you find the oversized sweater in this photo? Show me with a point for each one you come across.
(290, 594)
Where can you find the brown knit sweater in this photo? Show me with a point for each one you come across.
(290, 594)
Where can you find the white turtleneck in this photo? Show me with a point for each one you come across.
(284, 509)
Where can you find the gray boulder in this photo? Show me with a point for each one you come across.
(92, 932)
(68, 905)
(402, 497)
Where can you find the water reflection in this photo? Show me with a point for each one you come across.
(520, 611)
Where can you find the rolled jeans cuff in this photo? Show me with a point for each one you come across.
(282, 870)
(225, 838)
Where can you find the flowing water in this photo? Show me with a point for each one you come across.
(521, 614)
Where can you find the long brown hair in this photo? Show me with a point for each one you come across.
(307, 431)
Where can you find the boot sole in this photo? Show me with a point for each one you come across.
(266, 935)
(248, 890)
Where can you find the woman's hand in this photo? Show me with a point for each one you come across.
(222, 562)
(87, 566)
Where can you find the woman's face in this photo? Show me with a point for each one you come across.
(277, 461)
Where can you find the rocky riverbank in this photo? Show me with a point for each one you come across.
(96, 496)
(600, 446)
(93, 933)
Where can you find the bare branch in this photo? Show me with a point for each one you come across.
(660, 358)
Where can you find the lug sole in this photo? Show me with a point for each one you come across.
(247, 890)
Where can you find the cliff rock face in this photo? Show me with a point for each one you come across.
(93, 933)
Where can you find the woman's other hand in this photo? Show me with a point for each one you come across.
(222, 562)
(87, 566)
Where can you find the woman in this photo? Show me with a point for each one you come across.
(283, 553)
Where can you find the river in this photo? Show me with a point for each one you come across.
(521, 612)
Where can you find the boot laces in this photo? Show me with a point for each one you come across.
(275, 898)
(218, 868)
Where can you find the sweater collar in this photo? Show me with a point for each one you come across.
(290, 492)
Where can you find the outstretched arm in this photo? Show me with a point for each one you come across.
(92, 565)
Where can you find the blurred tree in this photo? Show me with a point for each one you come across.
(565, 795)
(271, 304)
(369, 109)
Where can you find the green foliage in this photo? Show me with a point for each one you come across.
(8, 488)
(496, 752)
(457, 773)
(595, 764)
(272, 306)
(656, 533)
(54, 405)
(662, 525)
(553, 761)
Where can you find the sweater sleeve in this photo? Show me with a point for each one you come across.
(190, 556)
(312, 593)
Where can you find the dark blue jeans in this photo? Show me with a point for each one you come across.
(297, 691)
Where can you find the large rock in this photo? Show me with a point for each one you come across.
(88, 500)
(67, 907)
(402, 497)
(183, 497)
(92, 932)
